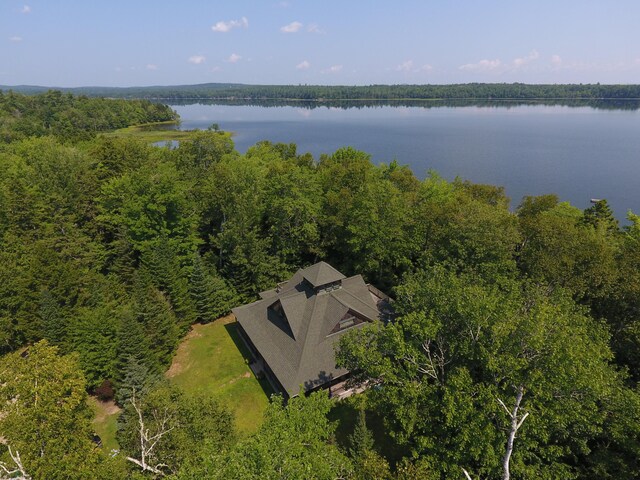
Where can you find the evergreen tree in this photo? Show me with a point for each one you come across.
(131, 343)
(211, 295)
(158, 321)
(163, 269)
(600, 215)
(122, 258)
(137, 377)
(54, 325)
(361, 440)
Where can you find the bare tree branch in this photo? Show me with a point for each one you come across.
(149, 441)
(14, 473)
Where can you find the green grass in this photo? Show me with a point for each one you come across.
(151, 132)
(104, 422)
(213, 360)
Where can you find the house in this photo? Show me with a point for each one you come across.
(293, 329)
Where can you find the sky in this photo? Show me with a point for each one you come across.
(69, 43)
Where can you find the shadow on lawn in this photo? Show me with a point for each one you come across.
(232, 331)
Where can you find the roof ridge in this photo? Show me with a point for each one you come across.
(332, 295)
(290, 304)
(307, 322)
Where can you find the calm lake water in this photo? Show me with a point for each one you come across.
(577, 152)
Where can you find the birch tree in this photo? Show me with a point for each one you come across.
(503, 377)
(45, 418)
(166, 428)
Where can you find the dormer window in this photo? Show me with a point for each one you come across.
(277, 308)
(347, 322)
(329, 287)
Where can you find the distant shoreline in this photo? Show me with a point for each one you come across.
(394, 99)
(361, 93)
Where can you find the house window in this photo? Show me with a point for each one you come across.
(347, 322)
(329, 287)
(277, 308)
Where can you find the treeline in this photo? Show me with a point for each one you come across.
(110, 249)
(69, 117)
(620, 104)
(224, 91)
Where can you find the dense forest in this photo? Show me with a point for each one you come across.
(515, 351)
(69, 117)
(222, 91)
(598, 104)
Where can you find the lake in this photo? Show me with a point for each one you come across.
(577, 151)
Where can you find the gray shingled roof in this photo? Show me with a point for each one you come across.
(321, 273)
(299, 349)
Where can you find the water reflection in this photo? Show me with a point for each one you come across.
(601, 104)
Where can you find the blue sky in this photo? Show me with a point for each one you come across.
(142, 42)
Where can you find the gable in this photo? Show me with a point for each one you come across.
(289, 310)
(350, 319)
(277, 316)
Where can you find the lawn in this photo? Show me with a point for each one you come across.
(212, 359)
(104, 422)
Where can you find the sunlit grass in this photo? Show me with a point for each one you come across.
(212, 359)
(104, 422)
(151, 132)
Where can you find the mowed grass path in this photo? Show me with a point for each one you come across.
(104, 422)
(212, 359)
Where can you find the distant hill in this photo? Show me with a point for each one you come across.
(238, 91)
(157, 91)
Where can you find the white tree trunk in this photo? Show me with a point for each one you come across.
(148, 441)
(16, 472)
(516, 423)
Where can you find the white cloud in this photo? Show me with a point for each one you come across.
(483, 66)
(405, 66)
(152, 66)
(333, 69)
(234, 58)
(304, 65)
(520, 62)
(556, 60)
(314, 28)
(498, 66)
(216, 69)
(293, 27)
(409, 66)
(15, 39)
(26, 9)
(283, 4)
(224, 27)
(196, 59)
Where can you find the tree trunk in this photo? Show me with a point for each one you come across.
(516, 423)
